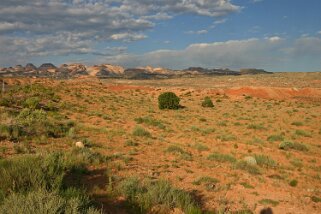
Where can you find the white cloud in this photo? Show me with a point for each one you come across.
(274, 39)
(128, 37)
(198, 32)
(272, 53)
(89, 22)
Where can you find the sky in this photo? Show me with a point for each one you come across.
(275, 35)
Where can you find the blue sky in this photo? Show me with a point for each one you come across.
(276, 35)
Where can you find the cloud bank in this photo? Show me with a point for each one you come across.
(273, 53)
(62, 27)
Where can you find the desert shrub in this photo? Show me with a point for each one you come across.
(286, 145)
(178, 150)
(43, 201)
(141, 132)
(316, 199)
(205, 180)
(143, 196)
(29, 123)
(256, 127)
(32, 103)
(273, 138)
(207, 103)
(297, 123)
(303, 133)
(200, 147)
(227, 137)
(30, 96)
(293, 183)
(150, 121)
(264, 160)
(269, 202)
(11, 131)
(168, 100)
(24, 173)
(222, 157)
(250, 168)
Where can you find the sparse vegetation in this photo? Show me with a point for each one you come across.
(79, 142)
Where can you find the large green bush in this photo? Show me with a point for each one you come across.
(168, 100)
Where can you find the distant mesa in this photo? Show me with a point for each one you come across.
(47, 66)
(30, 67)
(254, 71)
(65, 71)
(215, 71)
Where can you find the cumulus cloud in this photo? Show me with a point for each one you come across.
(270, 53)
(42, 27)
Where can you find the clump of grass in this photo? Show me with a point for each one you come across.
(303, 133)
(178, 150)
(227, 137)
(131, 143)
(247, 186)
(264, 160)
(150, 121)
(286, 145)
(256, 127)
(250, 168)
(209, 182)
(37, 183)
(207, 103)
(269, 202)
(43, 201)
(297, 123)
(201, 147)
(206, 180)
(316, 199)
(274, 138)
(143, 196)
(222, 158)
(141, 132)
(293, 183)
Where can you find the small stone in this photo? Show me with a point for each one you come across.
(79, 144)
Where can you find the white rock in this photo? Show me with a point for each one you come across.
(79, 144)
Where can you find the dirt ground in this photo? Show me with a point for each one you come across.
(252, 116)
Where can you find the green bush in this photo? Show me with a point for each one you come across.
(29, 172)
(207, 103)
(30, 123)
(43, 201)
(252, 169)
(143, 196)
(293, 183)
(141, 132)
(222, 157)
(286, 145)
(32, 103)
(273, 138)
(168, 100)
(264, 160)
